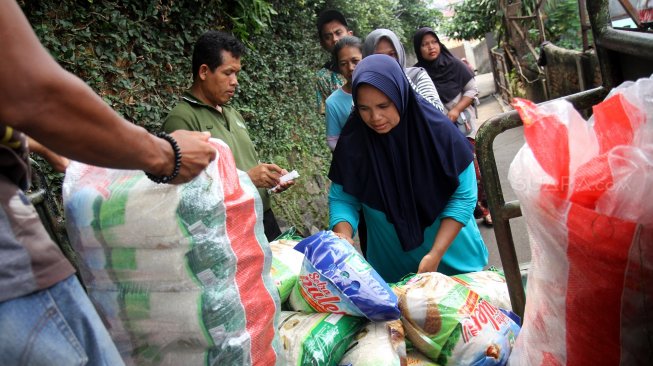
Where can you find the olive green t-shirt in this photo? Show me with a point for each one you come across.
(229, 126)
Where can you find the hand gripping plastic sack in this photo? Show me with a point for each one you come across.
(318, 339)
(335, 278)
(180, 273)
(583, 187)
(453, 325)
(378, 343)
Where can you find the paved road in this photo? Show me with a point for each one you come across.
(506, 146)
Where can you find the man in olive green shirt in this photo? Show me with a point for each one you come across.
(216, 64)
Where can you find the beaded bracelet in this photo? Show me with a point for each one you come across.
(175, 172)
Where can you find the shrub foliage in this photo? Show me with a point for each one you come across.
(136, 55)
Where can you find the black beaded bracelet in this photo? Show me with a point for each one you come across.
(175, 172)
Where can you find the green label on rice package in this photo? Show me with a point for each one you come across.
(490, 285)
(451, 324)
(318, 339)
(286, 265)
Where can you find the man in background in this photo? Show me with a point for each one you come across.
(216, 64)
(331, 27)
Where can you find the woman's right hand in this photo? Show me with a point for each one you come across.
(453, 114)
(343, 230)
(345, 236)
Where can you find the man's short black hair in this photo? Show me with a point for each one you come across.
(208, 50)
(328, 16)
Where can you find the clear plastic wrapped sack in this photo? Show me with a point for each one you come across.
(591, 230)
(178, 272)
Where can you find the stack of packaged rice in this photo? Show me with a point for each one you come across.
(179, 273)
(344, 313)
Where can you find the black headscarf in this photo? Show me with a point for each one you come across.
(449, 74)
(408, 173)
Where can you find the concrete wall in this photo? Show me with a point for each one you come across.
(569, 71)
(481, 57)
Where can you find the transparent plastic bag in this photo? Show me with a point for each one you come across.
(582, 188)
(178, 272)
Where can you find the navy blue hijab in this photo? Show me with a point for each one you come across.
(408, 173)
(449, 74)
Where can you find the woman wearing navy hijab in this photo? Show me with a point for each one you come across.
(411, 171)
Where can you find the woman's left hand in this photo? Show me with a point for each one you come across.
(429, 263)
(453, 114)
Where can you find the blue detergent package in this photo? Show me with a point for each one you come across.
(335, 278)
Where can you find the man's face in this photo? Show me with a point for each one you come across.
(219, 86)
(331, 33)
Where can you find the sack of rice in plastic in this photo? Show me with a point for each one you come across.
(176, 270)
(335, 278)
(590, 228)
(490, 285)
(318, 339)
(378, 343)
(451, 324)
(286, 265)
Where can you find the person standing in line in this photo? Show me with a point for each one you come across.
(46, 317)
(385, 41)
(215, 66)
(457, 87)
(347, 53)
(331, 27)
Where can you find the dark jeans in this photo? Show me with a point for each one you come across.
(270, 225)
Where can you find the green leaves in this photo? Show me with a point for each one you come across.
(136, 54)
(474, 18)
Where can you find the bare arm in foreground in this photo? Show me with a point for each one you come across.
(60, 111)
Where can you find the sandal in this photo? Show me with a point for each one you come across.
(478, 211)
(487, 220)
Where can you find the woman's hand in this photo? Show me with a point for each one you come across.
(343, 230)
(346, 237)
(449, 229)
(453, 114)
(429, 263)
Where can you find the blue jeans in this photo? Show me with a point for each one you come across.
(55, 326)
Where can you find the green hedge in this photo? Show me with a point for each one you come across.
(136, 55)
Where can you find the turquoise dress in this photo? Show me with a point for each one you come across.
(467, 253)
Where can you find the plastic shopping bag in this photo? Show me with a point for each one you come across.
(582, 188)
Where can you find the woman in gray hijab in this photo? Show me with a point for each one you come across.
(385, 41)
